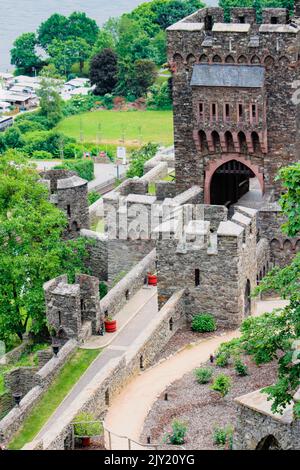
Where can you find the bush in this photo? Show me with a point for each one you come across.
(30, 126)
(48, 141)
(204, 323)
(93, 197)
(222, 359)
(139, 158)
(177, 434)
(83, 168)
(222, 436)
(87, 426)
(33, 117)
(221, 384)
(240, 368)
(41, 155)
(203, 375)
(102, 289)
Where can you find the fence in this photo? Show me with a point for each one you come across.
(114, 441)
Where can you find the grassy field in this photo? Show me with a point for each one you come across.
(61, 386)
(135, 127)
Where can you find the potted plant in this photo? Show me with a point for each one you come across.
(152, 279)
(86, 427)
(110, 325)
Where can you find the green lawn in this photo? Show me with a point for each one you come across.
(134, 126)
(65, 380)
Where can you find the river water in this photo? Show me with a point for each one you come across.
(21, 16)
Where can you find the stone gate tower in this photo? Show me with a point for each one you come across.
(234, 113)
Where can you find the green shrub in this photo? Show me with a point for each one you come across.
(222, 359)
(240, 368)
(83, 168)
(203, 375)
(93, 196)
(41, 155)
(203, 323)
(102, 289)
(48, 141)
(138, 159)
(30, 126)
(221, 384)
(86, 426)
(222, 436)
(177, 434)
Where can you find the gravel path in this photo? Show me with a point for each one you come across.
(201, 408)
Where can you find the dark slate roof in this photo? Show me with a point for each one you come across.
(243, 76)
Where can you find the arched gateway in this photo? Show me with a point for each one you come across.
(228, 179)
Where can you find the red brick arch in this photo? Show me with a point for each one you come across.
(213, 166)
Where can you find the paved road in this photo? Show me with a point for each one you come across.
(131, 331)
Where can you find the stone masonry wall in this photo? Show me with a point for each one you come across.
(117, 373)
(253, 426)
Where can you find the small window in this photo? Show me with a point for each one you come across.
(242, 19)
(69, 210)
(142, 362)
(197, 277)
(214, 112)
(201, 111)
(208, 22)
(127, 294)
(274, 20)
(240, 112)
(171, 324)
(227, 112)
(59, 317)
(254, 112)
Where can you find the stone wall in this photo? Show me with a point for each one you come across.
(203, 38)
(254, 427)
(98, 254)
(118, 295)
(118, 372)
(205, 263)
(20, 380)
(6, 403)
(40, 382)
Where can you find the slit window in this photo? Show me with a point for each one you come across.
(171, 324)
(227, 112)
(69, 210)
(197, 277)
(59, 317)
(254, 112)
(107, 397)
(214, 112)
(240, 112)
(201, 111)
(242, 19)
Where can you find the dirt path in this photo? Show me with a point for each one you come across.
(129, 409)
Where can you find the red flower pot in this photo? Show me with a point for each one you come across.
(110, 326)
(86, 441)
(152, 280)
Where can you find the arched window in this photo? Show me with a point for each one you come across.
(269, 61)
(242, 142)
(242, 59)
(203, 58)
(229, 142)
(191, 59)
(229, 59)
(203, 141)
(255, 142)
(268, 443)
(216, 58)
(255, 60)
(216, 141)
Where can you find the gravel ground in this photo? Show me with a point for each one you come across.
(201, 408)
(183, 337)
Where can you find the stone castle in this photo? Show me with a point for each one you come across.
(215, 231)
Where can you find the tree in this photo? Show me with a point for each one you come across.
(105, 40)
(290, 200)
(103, 71)
(63, 54)
(81, 26)
(159, 96)
(50, 100)
(139, 157)
(61, 28)
(13, 138)
(134, 80)
(55, 27)
(23, 54)
(31, 249)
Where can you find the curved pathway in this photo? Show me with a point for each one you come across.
(129, 409)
